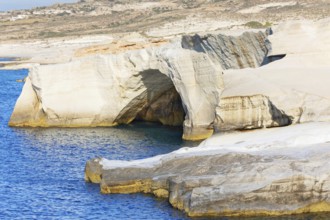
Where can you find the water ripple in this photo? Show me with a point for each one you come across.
(42, 169)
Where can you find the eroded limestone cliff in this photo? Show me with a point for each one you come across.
(146, 84)
(220, 80)
(262, 172)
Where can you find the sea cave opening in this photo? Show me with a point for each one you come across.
(159, 102)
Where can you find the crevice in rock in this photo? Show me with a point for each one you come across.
(278, 117)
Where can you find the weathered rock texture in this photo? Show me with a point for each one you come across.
(247, 50)
(214, 76)
(297, 85)
(248, 112)
(166, 109)
(111, 89)
(265, 172)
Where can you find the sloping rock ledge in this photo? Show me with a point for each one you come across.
(278, 171)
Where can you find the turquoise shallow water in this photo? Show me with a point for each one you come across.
(41, 171)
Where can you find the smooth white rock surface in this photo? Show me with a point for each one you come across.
(110, 89)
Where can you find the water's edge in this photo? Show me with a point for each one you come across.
(42, 169)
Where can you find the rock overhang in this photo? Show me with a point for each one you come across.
(267, 172)
(114, 83)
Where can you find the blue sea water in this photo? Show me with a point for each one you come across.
(5, 59)
(42, 170)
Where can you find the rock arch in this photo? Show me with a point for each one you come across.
(147, 84)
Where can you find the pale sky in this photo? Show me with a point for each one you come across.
(6, 5)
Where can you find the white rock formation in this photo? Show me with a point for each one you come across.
(297, 85)
(105, 90)
(261, 172)
(212, 74)
(248, 112)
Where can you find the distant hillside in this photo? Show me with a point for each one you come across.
(152, 17)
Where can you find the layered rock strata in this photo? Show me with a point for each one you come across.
(262, 172)
(248, 112)
(297, 85)
(265, 172)
(147, 84)
(214, 76)
(233, 52)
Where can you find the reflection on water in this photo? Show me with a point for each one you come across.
(127, 142)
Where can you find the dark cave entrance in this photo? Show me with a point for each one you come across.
(159, 103)
(163, 102)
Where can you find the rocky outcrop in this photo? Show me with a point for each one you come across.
(296, 84)
(248, 112)
(212, 75)
(244, 51)
(146, 84)
(263, 172)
